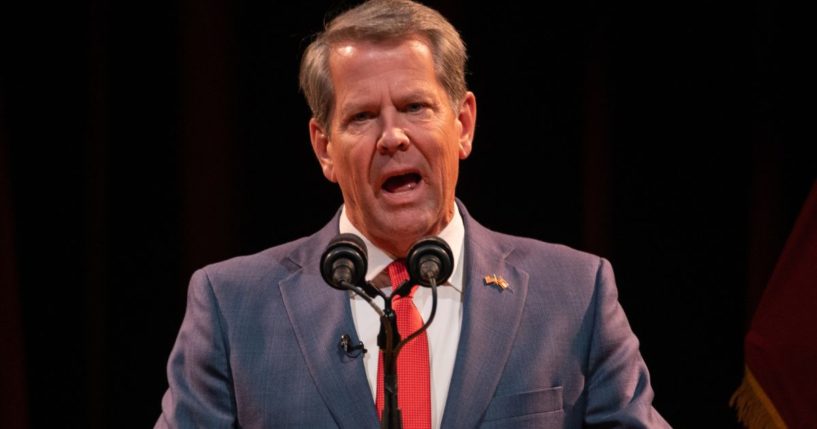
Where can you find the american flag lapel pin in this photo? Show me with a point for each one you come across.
(498, 281)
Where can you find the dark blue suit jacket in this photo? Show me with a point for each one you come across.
(258, 347)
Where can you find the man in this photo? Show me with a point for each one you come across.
(527, 334)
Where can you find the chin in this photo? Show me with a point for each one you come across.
(403, 231)
(412, 227)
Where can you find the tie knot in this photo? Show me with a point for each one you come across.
(398, 274)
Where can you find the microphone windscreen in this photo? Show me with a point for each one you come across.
(345, 259)
(430, 257)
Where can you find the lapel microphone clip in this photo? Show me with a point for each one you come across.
(353, 351)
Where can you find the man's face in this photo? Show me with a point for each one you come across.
(394, 142)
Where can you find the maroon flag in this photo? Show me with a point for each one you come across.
(779, 389)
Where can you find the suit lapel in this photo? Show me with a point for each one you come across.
(319, 316)
(491, 317)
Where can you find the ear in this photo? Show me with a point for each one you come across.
(467, 119)
(320, 145)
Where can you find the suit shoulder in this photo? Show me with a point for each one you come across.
(245, 271)
(557, 262)
(261, 258)
(526, 251)
(558, 273)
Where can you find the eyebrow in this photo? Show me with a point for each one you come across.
(354, 105)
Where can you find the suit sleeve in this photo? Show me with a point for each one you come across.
(618, 387)
(200, 393)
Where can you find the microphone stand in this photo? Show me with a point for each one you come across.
(393, 420)
(392, 417)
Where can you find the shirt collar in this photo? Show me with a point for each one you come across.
(453, 234)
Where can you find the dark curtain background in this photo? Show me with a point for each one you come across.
(143, 140)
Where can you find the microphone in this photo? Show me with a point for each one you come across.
(344, 261)
(430, 259)
(345, 344)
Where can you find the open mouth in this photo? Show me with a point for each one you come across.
(401, 183)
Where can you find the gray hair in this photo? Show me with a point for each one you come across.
(381, 21)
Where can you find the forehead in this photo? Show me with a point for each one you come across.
(345, 48)
(368, 62)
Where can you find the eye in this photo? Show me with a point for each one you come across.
(360, 117)
(415, 107)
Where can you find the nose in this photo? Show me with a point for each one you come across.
(394, 137)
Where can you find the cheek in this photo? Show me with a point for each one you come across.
(452, 164)
(447, 164)
(352, 168)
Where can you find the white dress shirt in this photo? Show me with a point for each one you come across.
(444, 332)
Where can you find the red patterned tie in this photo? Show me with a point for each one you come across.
(413, 375)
